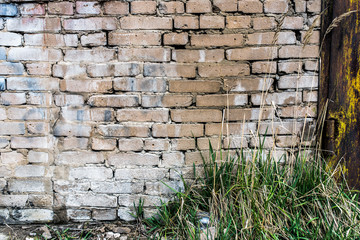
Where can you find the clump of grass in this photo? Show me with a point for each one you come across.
(257, 197)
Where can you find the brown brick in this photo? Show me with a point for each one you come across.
(176, 38)
(136, 39)
(186, 22)
(287, 141)
(142, 115)
(63, 8)
(303, 81)
(276, 6)
(230, 129)
(252, 53)
(250, 6)
(298, 111)
(85, 114)
(114, 100)
(242, 114)
(284, 98)
(219, 100)
(32, 9)
(90, 24)
(222, 70)
(100, 86)
(310, 96)
(140, 84)
(208, 40)
(171, 7)
(212, 22)
(157, 144)
(300, 6)
(42, 68)
(314, 37)
(263, 67)
(215, 55)
(226, 5)
(178, 130)
(299, 52)
(194, 86)
(293, 23)
(96, 39)
(122, 130)
(144, 54)
(198, 6)
(145, 22)
(262, 23)
(103, 144)
(169, 70)
(168, 100)
(235, 142)
(130, 144)
(90, 55)
(143, 7)
(196, 115)
(290, 67)
(116, 8)
(183, 144)
(313, 6)
(238, 21)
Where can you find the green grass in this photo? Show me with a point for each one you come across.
(256, 197)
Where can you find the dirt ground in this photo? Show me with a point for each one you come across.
(89, 230)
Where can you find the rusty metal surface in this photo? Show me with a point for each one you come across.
(343, 89)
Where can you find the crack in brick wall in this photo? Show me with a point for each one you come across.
(102, 100)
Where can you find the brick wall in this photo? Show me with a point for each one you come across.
(102, 99)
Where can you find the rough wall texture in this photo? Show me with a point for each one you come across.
(102, 99)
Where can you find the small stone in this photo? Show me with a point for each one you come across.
(122, 230)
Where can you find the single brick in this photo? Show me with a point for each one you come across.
(131, 144)
(144, 54)
(176, 38)
(263, 67)
(41, 68)
(169, 70)
(290, 67)
(223, 70)
(37, 127)
(252, 53)
(90, 24)
(136, 39)
(82, 114)
(157, 144)
(61, 8)
(250, 6)
(171, 7)
(309, 111)
(91, 200)
(212, 22)
(93, 173)
(140, 84)
(30, 142)
(29, 171)
(238, 129)
(90, 55)
(32, 24)
(284, 98)
(143, 7)
(46, 39)
(141, 174)
(34, 54)
(12, 128)
(204, 143)
(217, 40)
(69, 71)
(10, 39)
(87, 7)
(194, 86)
(198, 6)
(38, 157)
(300, 6)
(71, 40)
(79, 158)
(312, 65)
(117, 187)
(8, 10)
(299, 52)
(262, 23)
(13, 98)
(186, 22)
(116, 69)
(293, 23)
(242, 114)
(313, 6)
(12, 158)
(128, 130)
(141, 115)
(217, 100)
(32, 84)
(310, 96)
(238, 21)
(13, 200)
(226, 5)
(276, 6)
(271, 38)
(182, 144)
(32, 9)
(122, 160)
(100, 86)
(10, 68)
(178, 130)
(303, 81)
(114, 100)
(172, 159)
(15, 113)
(287, 141)
(215, 55)
(71, 129)
(66, 100)
(313, 38)
(168, 100)
(196, 115)
(72, 143)
(95, 39)
(146, 22)
(116, 8)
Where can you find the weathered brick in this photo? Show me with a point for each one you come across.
(261, 23)
(145, 22)
(34, 215)
(141, 174)
(69, 70)
(114, 100)
(204, 143)
(104, 214)
(72, 143)
(15, 113)
(86, 114)
(91, 86)
(284, 98)
(194, 86)
(235, 142)
(143, 7)
(5, 172)
(140, 84)
(299, 52)
(141, 115)
(32, 9)
(157, 144)
(178, 130)
(293, 23)
(4, 142)
(176, 38)
(196, 115)
(10, 39)
(87, 7)
(91, 200)
(163, 188)
(168, 100)
(264, 67)
(103, 144)
(313, 6)
(300, 6)
(71, 40)
(313, 38)
(270, 38)
(63, 8)
(13, 200)
(32, 24)
(304, 81)
(116, 69)
(226, 5)
(252, 53)
(12, 159)
(93, 173)
(10, 68)
(90, 24)
(171, 7)
(27, 185)
(198, 6)
(3, 114)
(95, 39)
(250, 6)
(37, 127)
(34, 54)
(215, 55)
(217, 40)
(169, 70)
(172, 159)
(8, 10)
(41, 68)
(130, 144)
(276, 6)
(90, 55)
(224, 70)
(238, 21)
(122, 160)
(36, 98)
(12, 128)
(310, 96)
(230, 128)
(31, 142)
(298, 111)
(217, 100)
(117, 187)
(71, 129)
(183, 144)
(38, 157)
(78, 215)
(128, 130)
(66, 100)
(144, 54)
(186, 22)
(116, 8)
(212, 22)
(136, 39)
(29, 171)
(290, 67)
(287, 141)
